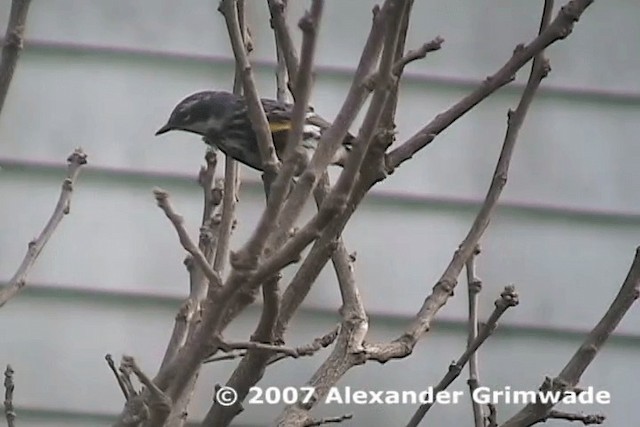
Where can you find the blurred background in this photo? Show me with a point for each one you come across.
(105, 76)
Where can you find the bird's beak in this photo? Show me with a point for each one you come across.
(164, 129)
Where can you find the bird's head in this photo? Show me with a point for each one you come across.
(202, 113)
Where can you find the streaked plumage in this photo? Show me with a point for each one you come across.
(222, 119)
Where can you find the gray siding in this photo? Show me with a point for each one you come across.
(104, 76)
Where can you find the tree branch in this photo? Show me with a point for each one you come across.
(9, 387)
(474, 286)
(403, 346)
(75, 161)
(13, 44)
(570, 375)
(164, 203)
(270, 161)
(508, 298)
(585, 419)
(277, 9)
(559, 29)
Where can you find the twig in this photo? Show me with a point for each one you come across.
(416, 54)
(492, 418)
(443, 289)
(474, 286)
(309, 24)
(585, 419)
(406, 59)
(13, 39)
(594, 341)
(162, 199)
(508, 298)
(559, 29)
(328, 420)
(281, 71)
(159, 404)
(277, 9)
(9, 387)
(270, 161)
(228, 356)
(75, 161)
(231, 170)
(127, 389)
(312, 348)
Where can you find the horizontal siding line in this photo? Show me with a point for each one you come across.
(596, 94)
(138, 299)
(53, 415)
(379, 197)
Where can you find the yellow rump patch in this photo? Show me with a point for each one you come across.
(279, 126)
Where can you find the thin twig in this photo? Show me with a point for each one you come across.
(270, 161)
(75, 161)
(559, 29)
(126, 389)
(277, 9)
(159, 403)
(508, 298)
(310, 25)
(416, 54)
(13, 44)
(9, 387)
(231, 170)
(570, 375)
(328, 420)
(585, 419)
(164, 203)
(474, 286)
(312, 348)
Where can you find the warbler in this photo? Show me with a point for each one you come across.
(222, 119)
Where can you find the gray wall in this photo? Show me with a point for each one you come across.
(105, 75)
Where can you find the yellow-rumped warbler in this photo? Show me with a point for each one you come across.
(222, 119)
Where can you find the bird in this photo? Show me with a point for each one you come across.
(221, 118)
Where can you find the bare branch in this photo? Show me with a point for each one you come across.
(309, 24)
(559, 29)
(416, 54)
(474, 286)
(582, 358)
(312, 348)
(158, 403)
(164, 203)
(508, 298)
(127, 389)
(231, 170)
(329, 420)
(75, 161)
(281, 71)
(277, 9)
(270, 161)
(13, 39)
(281, 352)
(402, 346)
(585, 419)
(9, 387)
